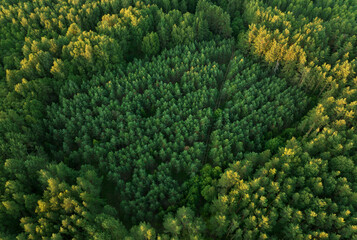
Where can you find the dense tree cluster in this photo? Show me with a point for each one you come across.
(147, 128)
(251, 105)
(182, 119)
(304, 41)
(150, 129)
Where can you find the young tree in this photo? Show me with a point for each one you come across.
(151, 44)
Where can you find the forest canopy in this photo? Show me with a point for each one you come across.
(182, 119)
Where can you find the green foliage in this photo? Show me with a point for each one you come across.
(155, 97)
(70, 206)
(157, 118)
(217, 19)
(200, 186)
(151, 44)
(274, 144)
(297, 39)
(254, 104)
(184, 224)
(288, 190)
